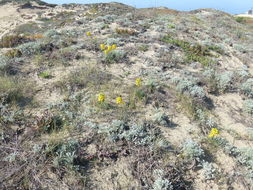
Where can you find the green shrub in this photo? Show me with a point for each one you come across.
(12, 41)
(143, 48)
(208, 171)
(240, 19)
(13, 53)
(11, 90)
(50, 123)
(162, 119)
(171, 26)
(45, 75)
(191, 150)
(246, 158)
(247, 88)
(28, 28)
(189, 86)
(30, 48)
(111, 41)
(53, 34)
(4, 63)
(225, 81)
(114, 56)
(205, 119)
(194, 52)
(195, 49)
(161, 183)
(63, 153)
(205, 61)
(248, 106)
(219, 82)
(138, 134)
(86, 77)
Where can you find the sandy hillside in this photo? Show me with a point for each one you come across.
(106, 96)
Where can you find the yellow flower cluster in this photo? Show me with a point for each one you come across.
(119, 100)
(107, 49)
(102, 47)
(213, 133)
(138, 82)
(88, 34)
(101, 98)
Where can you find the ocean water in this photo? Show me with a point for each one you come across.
(230, 6)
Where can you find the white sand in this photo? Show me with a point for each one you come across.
(244, 15)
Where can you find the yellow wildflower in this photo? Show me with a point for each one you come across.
(109, 48)
(102, 46)
(138, 82)
(214, 132)
(119, 100)
(106, 52)
(88, 33)
(101, 97)
(114, 46)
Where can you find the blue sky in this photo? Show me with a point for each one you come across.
(231, 6)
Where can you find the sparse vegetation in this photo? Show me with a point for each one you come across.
(13, 90)
(191, 150)
(114, 56)
(125, 31)
(194, 52)
(248, 106)
(45, 75)
(139, 98)
(209, 171)
(240, 19)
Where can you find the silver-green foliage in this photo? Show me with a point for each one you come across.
(247, 88)
(138, 134)
(54, 34)
(115, 56)
(189, 86)
(248, 106)
(111, 41)
(71, 33)
(9, 116)
(162, 119)
(30, 48)
(221, 81)
(65, 154)
(246, 158)
(192, 150)
(106, 19)
(241, 48)
(4, 62)
(161, 183)
(225, 80)
(209, 172)
(206, 119)
(11, 157)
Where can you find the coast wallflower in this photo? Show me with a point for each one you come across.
(88, 34)
(214, 132)
(109, 48)
(106, 52)
(138, 82)
(114, 46)
(101, 97)
(119, 100)
(102, 47)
